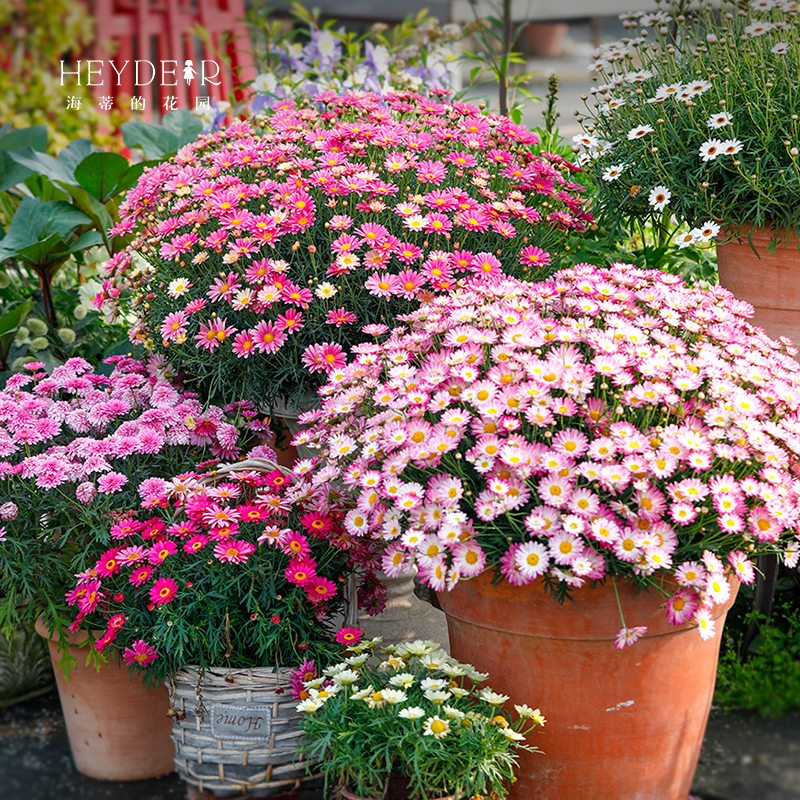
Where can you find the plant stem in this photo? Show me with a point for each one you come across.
(505, 59)
(619, 605)
(47, 297)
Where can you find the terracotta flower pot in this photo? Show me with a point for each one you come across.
(621, 724)
(770, 282)
(117, 729)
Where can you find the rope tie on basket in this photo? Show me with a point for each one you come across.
(174, 713)
(200, 709)
(226, 635)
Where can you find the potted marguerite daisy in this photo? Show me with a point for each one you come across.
(262, 252)
(221, 585)
(681, 126)
(411, 723)
(612, 437)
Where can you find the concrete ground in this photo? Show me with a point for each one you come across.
(744, 757)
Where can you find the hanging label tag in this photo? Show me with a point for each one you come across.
(241, 722)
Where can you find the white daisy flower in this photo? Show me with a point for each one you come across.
(659, 197)
(611, 105)
(758, 28)
(613, 172)
(412, 712)
(178, 287)
(510, 733)
(667, 90)
(720, 120)
(436, 696)
(585, 140)
(346, 677)
(638, 77)
(710, 150)
(492, 698)
(436, 727)
(779, 49)
(730, 147)
(687, 239)
(696, 88)
(707, 232)
(325, 290)
(763, 5)
(638, 132)
(393, 696)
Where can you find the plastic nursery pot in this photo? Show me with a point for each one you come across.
(621, 724)
(398, 790)
(770, 282)
(118, 730)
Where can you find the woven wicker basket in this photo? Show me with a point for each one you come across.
(238, 736)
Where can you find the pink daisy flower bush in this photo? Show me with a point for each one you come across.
(609, 423)
(244, 567)
(79, 447)
(259, 253)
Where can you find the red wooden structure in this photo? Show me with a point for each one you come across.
(158, 31)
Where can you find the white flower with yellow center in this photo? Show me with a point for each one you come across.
(453, 713)
(402, 680)
(178, 287)
(437, 696)
(394, 696)
(474, 675)
(454, 669)
(417, 648)
(510, 733)
(357, 661)
(458, 691)
(325, 290)
(361, 694)
(433, 683)
(392, 663)
(309, 706)
(376, 699)
(436, 727)
(346, 677)
(492, 698)
(412, 712)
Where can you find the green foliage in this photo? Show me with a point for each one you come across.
(36, 35)
(641, 245)
(768, 679)
(162, 141)
(496, 36)
(375, 723)
(10, 324)
(57, 210)
(742, 77)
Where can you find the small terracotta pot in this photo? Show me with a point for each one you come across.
(117, 729)
(621, 724)
(398, 790)
(770, 282)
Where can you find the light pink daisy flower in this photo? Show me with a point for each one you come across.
(627, 636)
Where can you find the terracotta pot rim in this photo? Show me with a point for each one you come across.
(760, 235)
(482, 589)
(345, 792)
(73, 638)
